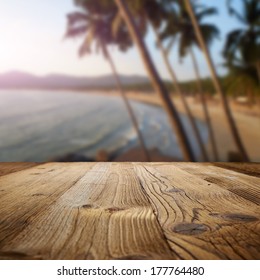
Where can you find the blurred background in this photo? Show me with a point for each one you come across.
(130, 80)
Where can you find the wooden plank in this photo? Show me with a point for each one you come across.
(105, 215)
(252, 169)
(11, 167)
(26, 193)
(201, 220)
(243, 185)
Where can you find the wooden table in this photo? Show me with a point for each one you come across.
(129, 211)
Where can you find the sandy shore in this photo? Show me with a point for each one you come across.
(247, 119)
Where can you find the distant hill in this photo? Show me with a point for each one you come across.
(22, 80)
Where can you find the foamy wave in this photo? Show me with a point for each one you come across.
(131, 135)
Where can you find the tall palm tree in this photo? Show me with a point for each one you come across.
(243, 44)
(217, 84)
(181, 95)
(156, 80)
(153, 13)
(96, 27)
(179, 25)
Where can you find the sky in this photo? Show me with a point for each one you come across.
(32, 40)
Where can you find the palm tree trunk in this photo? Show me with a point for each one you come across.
(128, 106)
(219, 89)
(181, 95)
(170, 46)
(156, 81)
(258, 74)
(258, 70)
(204, 106)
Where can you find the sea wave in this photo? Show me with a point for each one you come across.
(37, 126)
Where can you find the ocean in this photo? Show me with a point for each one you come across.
(43, 125)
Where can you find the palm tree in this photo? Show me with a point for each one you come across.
(179, 25)
(156, 80)
(181, 95)
(97, 28)
(217, 84)
(154, 13)
(243, 79)
(243, 44)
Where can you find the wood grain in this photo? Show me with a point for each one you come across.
(129, 211)
(201, 220)
(243, 185)
(104, 215)
(11, 167)
(252, 169)
(27, 193)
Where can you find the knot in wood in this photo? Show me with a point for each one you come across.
(190, 228)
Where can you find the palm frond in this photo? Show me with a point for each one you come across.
(73, 32)
(209, 32)
(77, 18)
(86, 45)
(232, 42)
(233, 12)
(205, 13)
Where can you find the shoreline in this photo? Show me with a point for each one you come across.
(247, 120)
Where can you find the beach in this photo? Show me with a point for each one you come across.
(247, 120)
(44, 126)
(94, 126)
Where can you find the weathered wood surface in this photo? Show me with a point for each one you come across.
(129, 211)
(7, 168)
